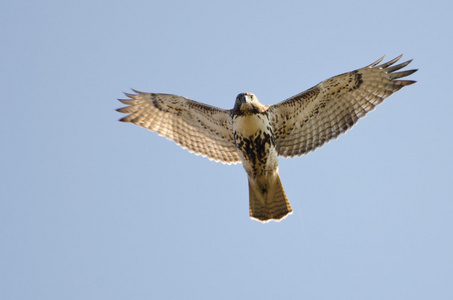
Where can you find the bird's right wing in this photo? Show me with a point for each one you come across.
(202, 129)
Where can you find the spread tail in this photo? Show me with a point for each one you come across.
(268, 202)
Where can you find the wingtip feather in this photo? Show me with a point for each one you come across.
(137, 92)
(401, 74)
(130, 95)
(123, 120)
(391, 62)
(407, 82)
(376, 62)
(126, 101)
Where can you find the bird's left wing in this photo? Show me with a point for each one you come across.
(202, 129)
(306, 121)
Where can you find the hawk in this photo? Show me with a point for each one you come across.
(255, 134)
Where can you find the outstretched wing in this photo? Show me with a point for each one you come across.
(202, 129)
(306, 121)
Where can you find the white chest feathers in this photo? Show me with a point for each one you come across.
(248, 125)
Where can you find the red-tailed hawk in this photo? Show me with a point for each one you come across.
(255, 134)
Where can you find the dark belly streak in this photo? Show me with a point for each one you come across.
(256, 149)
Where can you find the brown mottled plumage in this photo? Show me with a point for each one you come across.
(256, 134)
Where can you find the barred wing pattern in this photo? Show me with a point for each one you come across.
(306, 121)
(202, 129)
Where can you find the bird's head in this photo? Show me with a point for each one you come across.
(247, 102)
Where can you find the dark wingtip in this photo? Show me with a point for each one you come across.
(409, 82)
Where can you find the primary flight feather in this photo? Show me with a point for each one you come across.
(255, 134)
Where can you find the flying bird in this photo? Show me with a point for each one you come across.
(255, 134)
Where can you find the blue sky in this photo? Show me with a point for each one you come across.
(92, 208)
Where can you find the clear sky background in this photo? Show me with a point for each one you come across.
(92, 208)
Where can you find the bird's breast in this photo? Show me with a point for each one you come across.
(255, 142)
(248, 125)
